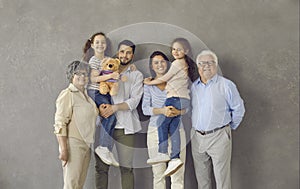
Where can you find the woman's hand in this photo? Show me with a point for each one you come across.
(63, 156)
(170, 111)
(147, 80)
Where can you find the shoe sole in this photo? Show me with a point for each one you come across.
(173, 171)
(104, 160)
(157, 162)
(114, 162)
(116, 165)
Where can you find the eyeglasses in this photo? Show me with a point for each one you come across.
(84, 74)
(208, 63)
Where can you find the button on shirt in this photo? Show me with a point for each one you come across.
(130, 92)
(216, 104)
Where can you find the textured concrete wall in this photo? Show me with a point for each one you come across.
(257, 44)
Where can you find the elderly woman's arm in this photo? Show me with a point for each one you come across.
(63, 116)
(63, 149)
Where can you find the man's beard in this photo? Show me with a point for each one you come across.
(124, 64)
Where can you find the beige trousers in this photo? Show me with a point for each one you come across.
(212, 152)
(77, 167)
(177, 179)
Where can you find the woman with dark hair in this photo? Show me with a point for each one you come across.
(74, 126)
(177, 79)
(153, 105)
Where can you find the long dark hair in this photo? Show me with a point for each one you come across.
(88, 52)
(192, 67)
(157, 53)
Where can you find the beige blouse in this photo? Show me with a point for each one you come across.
(75, 115)
(177, 80)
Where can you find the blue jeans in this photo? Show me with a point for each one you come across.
(108, 124)
(170, 125)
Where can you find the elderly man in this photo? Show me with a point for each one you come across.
(217, 108)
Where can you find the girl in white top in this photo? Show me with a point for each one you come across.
(177, 78)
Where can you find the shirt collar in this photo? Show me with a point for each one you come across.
(213, 79)
(128, 69)
(73, 88)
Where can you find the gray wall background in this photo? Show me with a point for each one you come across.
(258, 46)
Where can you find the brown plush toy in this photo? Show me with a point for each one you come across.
(108, 66)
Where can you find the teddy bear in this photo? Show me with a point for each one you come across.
(108, 66)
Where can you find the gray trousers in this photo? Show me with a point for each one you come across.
(212, 152)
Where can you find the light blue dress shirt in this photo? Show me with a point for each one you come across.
(216, 104)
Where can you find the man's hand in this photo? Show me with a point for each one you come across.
(107, 110)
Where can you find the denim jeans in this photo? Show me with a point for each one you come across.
(108, 124)
(170, 125)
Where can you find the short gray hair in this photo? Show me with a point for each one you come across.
(207, 52)
(75, 66)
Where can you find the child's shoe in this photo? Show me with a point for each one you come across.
(114, 162)
(104, 155)
(173, 166)
(160, 158)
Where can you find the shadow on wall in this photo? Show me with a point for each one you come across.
(247, 139)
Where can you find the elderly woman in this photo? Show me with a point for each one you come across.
(75, 120)
(153, 105)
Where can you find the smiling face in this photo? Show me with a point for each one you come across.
(99, 44)
(207, 67)
(159, 65)
(178, 51)
(80, 78)
(125, 54)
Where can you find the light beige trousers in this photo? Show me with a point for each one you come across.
(177, 179)
(212, 152)
(75, 171)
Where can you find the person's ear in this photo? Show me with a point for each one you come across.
(186, 51)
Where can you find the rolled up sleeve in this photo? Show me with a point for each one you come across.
(63, 113)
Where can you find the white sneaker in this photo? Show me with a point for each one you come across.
(104, 155)
(173, 166)
(160, 158)
(114, 162)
